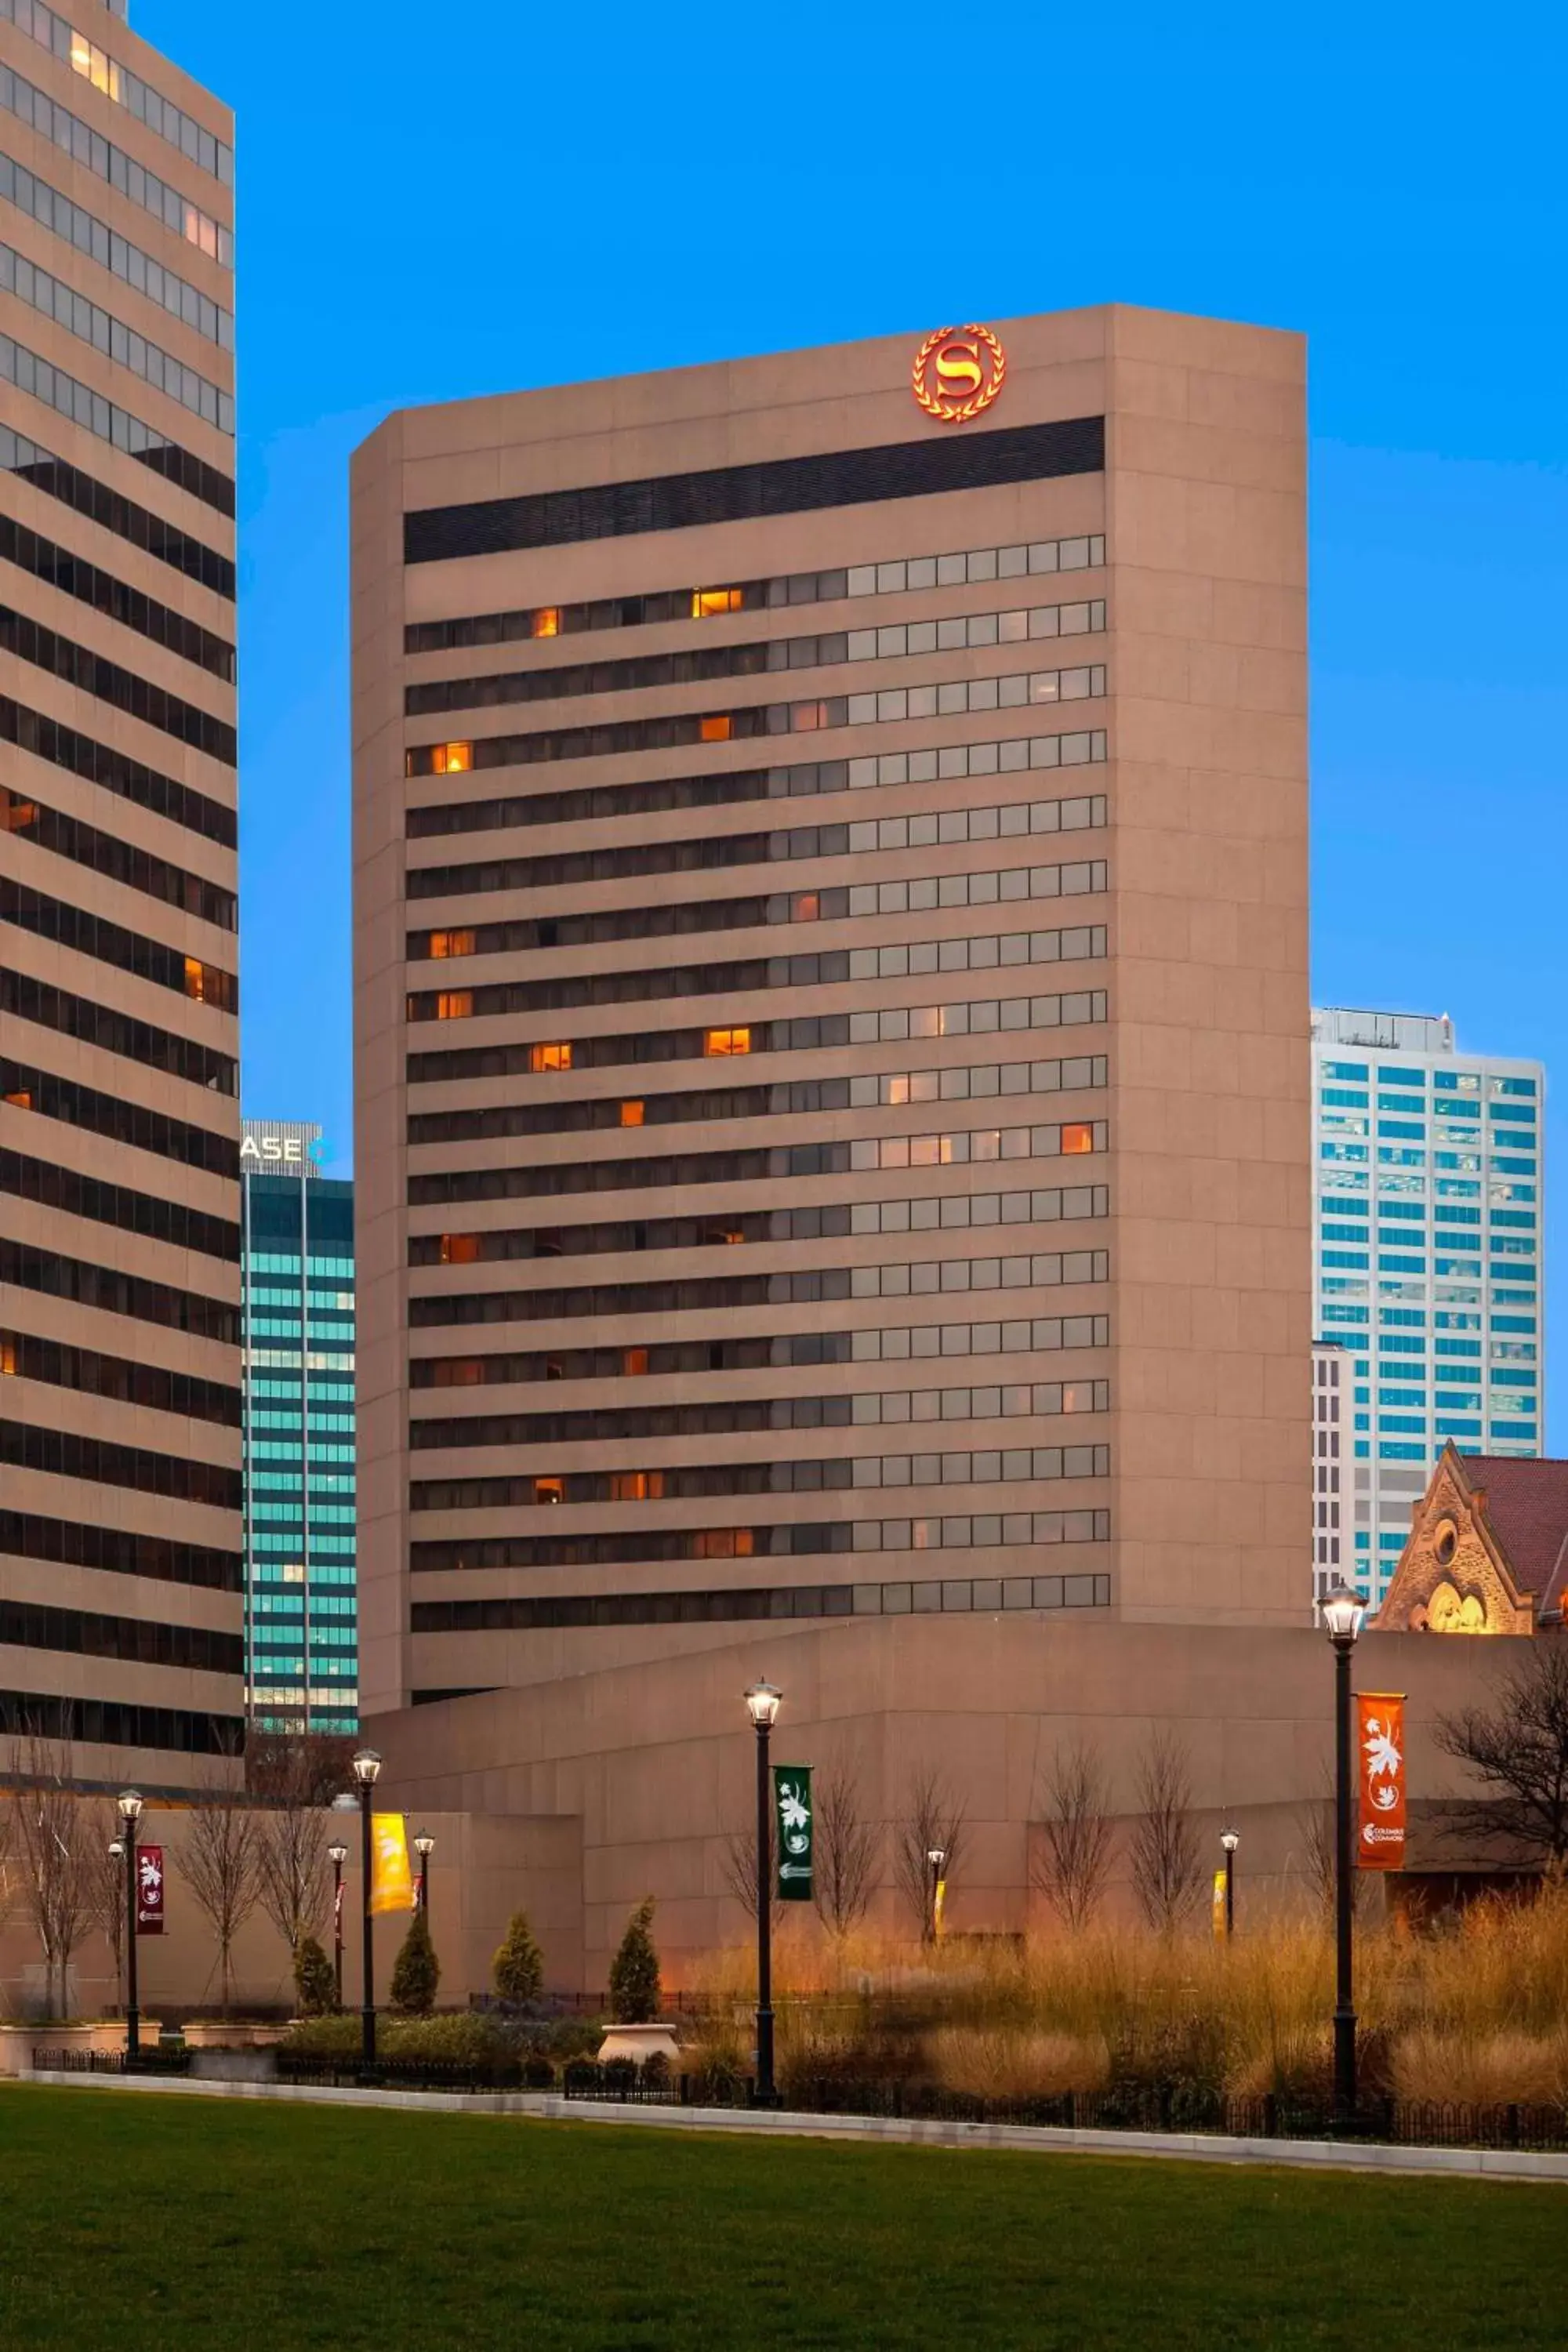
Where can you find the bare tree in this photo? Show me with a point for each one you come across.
(222, 1860)
(105, 1879)
(1167, 1869)
(930, 1821)
(740, 1870)
(1074, 1863)
(292, 1832)
(1315, 1828)
(845, 1860)
(51, 1844)
(1518, 1750)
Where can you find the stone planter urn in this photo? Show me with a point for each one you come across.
(640, 2043)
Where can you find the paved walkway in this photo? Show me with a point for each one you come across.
(1314, 2156)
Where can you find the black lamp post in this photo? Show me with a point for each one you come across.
(1342, 1612)
(935, 1855)
(762, 1703)
(367, 1764)
(1229, 1841)
(337, 1855)
(424, 1846)
(130, 1815)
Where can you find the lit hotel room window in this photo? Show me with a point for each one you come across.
(549, 1057)
(451, 943)
(450, 759)
(726, 1041)
(708, 601)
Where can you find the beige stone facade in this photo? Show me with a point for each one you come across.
(1018, 874)
(120, 1520)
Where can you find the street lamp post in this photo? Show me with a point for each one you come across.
(1342, 1612)
(935, 1855)
(424, 1846)
(1229, 1841)
(117, 1855)
(762, 1703)
(130, 1815)
(337, 1855)
(367, 1764)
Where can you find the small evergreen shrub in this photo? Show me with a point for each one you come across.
(416, 1971)
(518, 1969)
(634, 1971)
(315, 1983)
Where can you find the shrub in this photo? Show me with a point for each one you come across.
(416, 1971)
(634, 1971)
(315, 1982)
(518, 1969)
(1016, 2065)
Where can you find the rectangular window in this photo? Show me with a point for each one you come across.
(455, 1005)
(459, 1249)
(726, 1041)
(549, 1057)
(634, 1362)
(716, 728)
(451, 943)
(546, 622)
(708, 601)
(549, 1490)
(1077, 1139)
(451, 759)
(631, 1114)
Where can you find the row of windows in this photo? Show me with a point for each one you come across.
(106, 852)
(115, 512)
(27, 1535)
(1452, 1082)
(699, 664)
(778, 1539)
(613, 738)
(113, 1293)
(73, 576)
(30, 1625)
(108, 163)
(684, 1482)
(27, 1088)
(954, 1212)
(1023, 453)
(116, 254)
(93, 935)
(24, 1356)
(127, 89)
(79, 666)
(1019, 818)
(60, 1454)
(726, 1416)
(552, 1180)
(118, 1723)
(892, 1024)
(811, 1286)
(946, 1596)
(130, 780)
(43, 292)
(1040, 1334)
(148, 1214)
(825, 968)
(115, 1032)
(785, 1099)
(917, 572)
(101, 416)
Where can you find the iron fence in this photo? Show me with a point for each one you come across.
(112, 2061)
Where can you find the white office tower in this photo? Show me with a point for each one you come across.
(1427, 1261)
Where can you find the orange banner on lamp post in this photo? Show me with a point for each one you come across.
(391, 1881)
(1380, 1778)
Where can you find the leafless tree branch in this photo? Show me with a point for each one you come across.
(1071, 1866)
(845, 1860)
(1167, 1870)
(931, 1821)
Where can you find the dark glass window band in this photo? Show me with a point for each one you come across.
(142, 1641)
(779, 486)
(27, 1535)
(138, 525)
(73, 576)
(775, 1539)
(61, 1454)
(105, 853)
(115, 1723)
(677, 1482)
(714, 1417)
(78, 666)
(27, 1088)
(944, 1596)
(115, 1032)
(65, 926)
(119, 1379)
(113, 1293)
(131, 780)
(158, 1219)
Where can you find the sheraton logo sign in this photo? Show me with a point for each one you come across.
(958, 372)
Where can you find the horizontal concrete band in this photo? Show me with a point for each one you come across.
(1492, 2164)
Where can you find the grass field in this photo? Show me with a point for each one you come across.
(136, 2222)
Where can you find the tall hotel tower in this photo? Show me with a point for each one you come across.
(120, 1404)
(832, 1014)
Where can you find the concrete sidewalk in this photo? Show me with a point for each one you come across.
(1312, 2156)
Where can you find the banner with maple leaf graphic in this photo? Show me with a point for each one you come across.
(1380, 1744)
(795, 1821)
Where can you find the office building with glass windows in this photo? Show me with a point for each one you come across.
(1427, 1265)
(121, 1566)
(302, 1614)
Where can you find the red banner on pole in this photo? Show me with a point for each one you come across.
(148, 1890)
(1380, 1726)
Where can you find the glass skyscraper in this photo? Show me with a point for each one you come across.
(300, 1606)
(1428, 1258)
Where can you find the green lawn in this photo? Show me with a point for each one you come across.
(131, 2220)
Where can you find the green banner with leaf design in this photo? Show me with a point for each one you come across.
(794, 1823)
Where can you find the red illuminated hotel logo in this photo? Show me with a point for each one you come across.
(958, 370)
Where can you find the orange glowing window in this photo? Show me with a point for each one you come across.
(726, 1236)
(458, 1372)
(8, 1357)
(631, 1114)
(549, 1490)
(450, 759)
(705, 602)
(547, 621)
(808, 907)
(21, 1100)
(451, 943)
(549, 1057)
(455, 1005)
(726, 1041)
(636, 1485)
(1077, 1139)
(197, 981)
(15, 814)
(718, 729)
(459, 1249)
(634, 1361)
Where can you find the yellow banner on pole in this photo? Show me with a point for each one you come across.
(391, 1879)
(939, 1905)
(1219, 1906)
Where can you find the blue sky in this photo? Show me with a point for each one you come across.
(436, 202)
